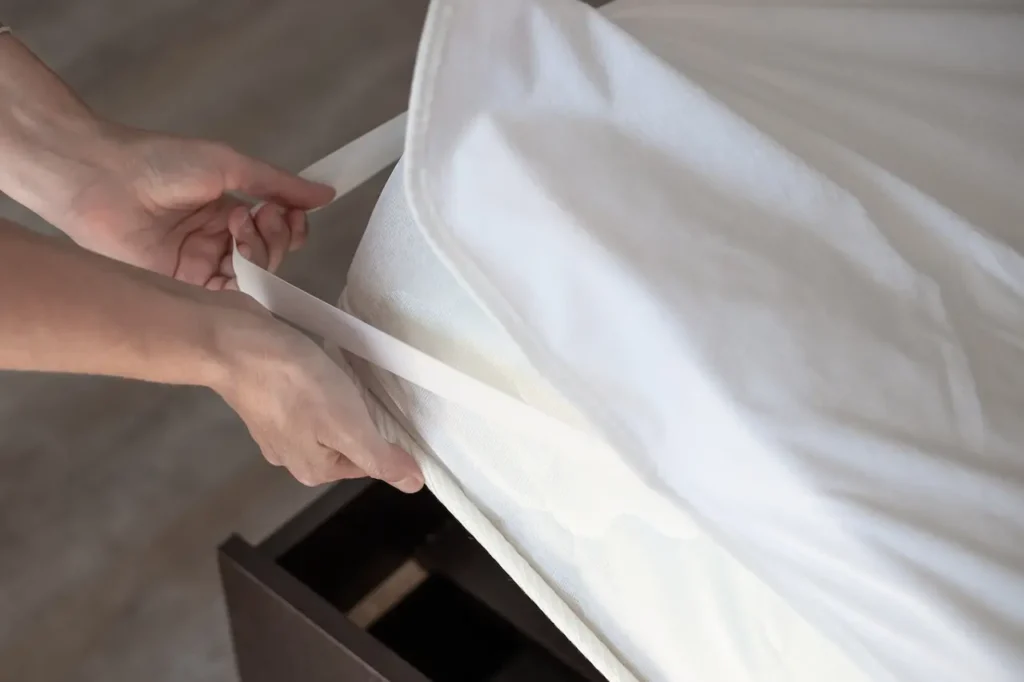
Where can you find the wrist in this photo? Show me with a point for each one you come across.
(244, 341)
(52, 144)
(52, 159)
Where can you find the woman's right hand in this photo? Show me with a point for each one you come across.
(300, 407)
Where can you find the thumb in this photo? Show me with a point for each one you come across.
(262, 181)
(363, 445)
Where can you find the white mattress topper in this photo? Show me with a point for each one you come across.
(770, 254)
(667, 599)
(747, 280)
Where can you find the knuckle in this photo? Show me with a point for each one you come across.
(269, 452)
(267, 217)
(332, 468)
(306, 478)
(320, 468)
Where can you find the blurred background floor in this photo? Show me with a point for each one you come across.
(114, 495)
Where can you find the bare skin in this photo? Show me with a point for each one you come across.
(166, 313)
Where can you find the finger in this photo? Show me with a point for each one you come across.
(263, 181)
(217, 283)
(345, 470)
(400, 460)
(271, 455)
(271, 225)
(298, 224)
(227, 271)
(196, 258)
(203, 243)
(322, 465)
(250, 243)
(333, 466)
(368, 450)
(227, 266)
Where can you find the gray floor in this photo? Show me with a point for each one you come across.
(114, 495)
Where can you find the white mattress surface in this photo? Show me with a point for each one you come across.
(635, 566)
(771, 255)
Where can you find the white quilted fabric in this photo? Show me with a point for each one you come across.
(669, 600)
(773, 253)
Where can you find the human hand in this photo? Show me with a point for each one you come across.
(155, 201)
(300, 407)
(162, 203)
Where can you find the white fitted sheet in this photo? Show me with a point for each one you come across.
(768, 257)
(667, 599)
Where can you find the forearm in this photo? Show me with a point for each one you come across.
(51, 145)
(66, 310)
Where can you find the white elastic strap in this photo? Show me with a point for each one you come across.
(358, 161)
(361, 159)
(345, 170)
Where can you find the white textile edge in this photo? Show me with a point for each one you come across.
(346, 169)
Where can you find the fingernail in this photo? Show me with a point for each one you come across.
(245, 250)
(409, 484)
